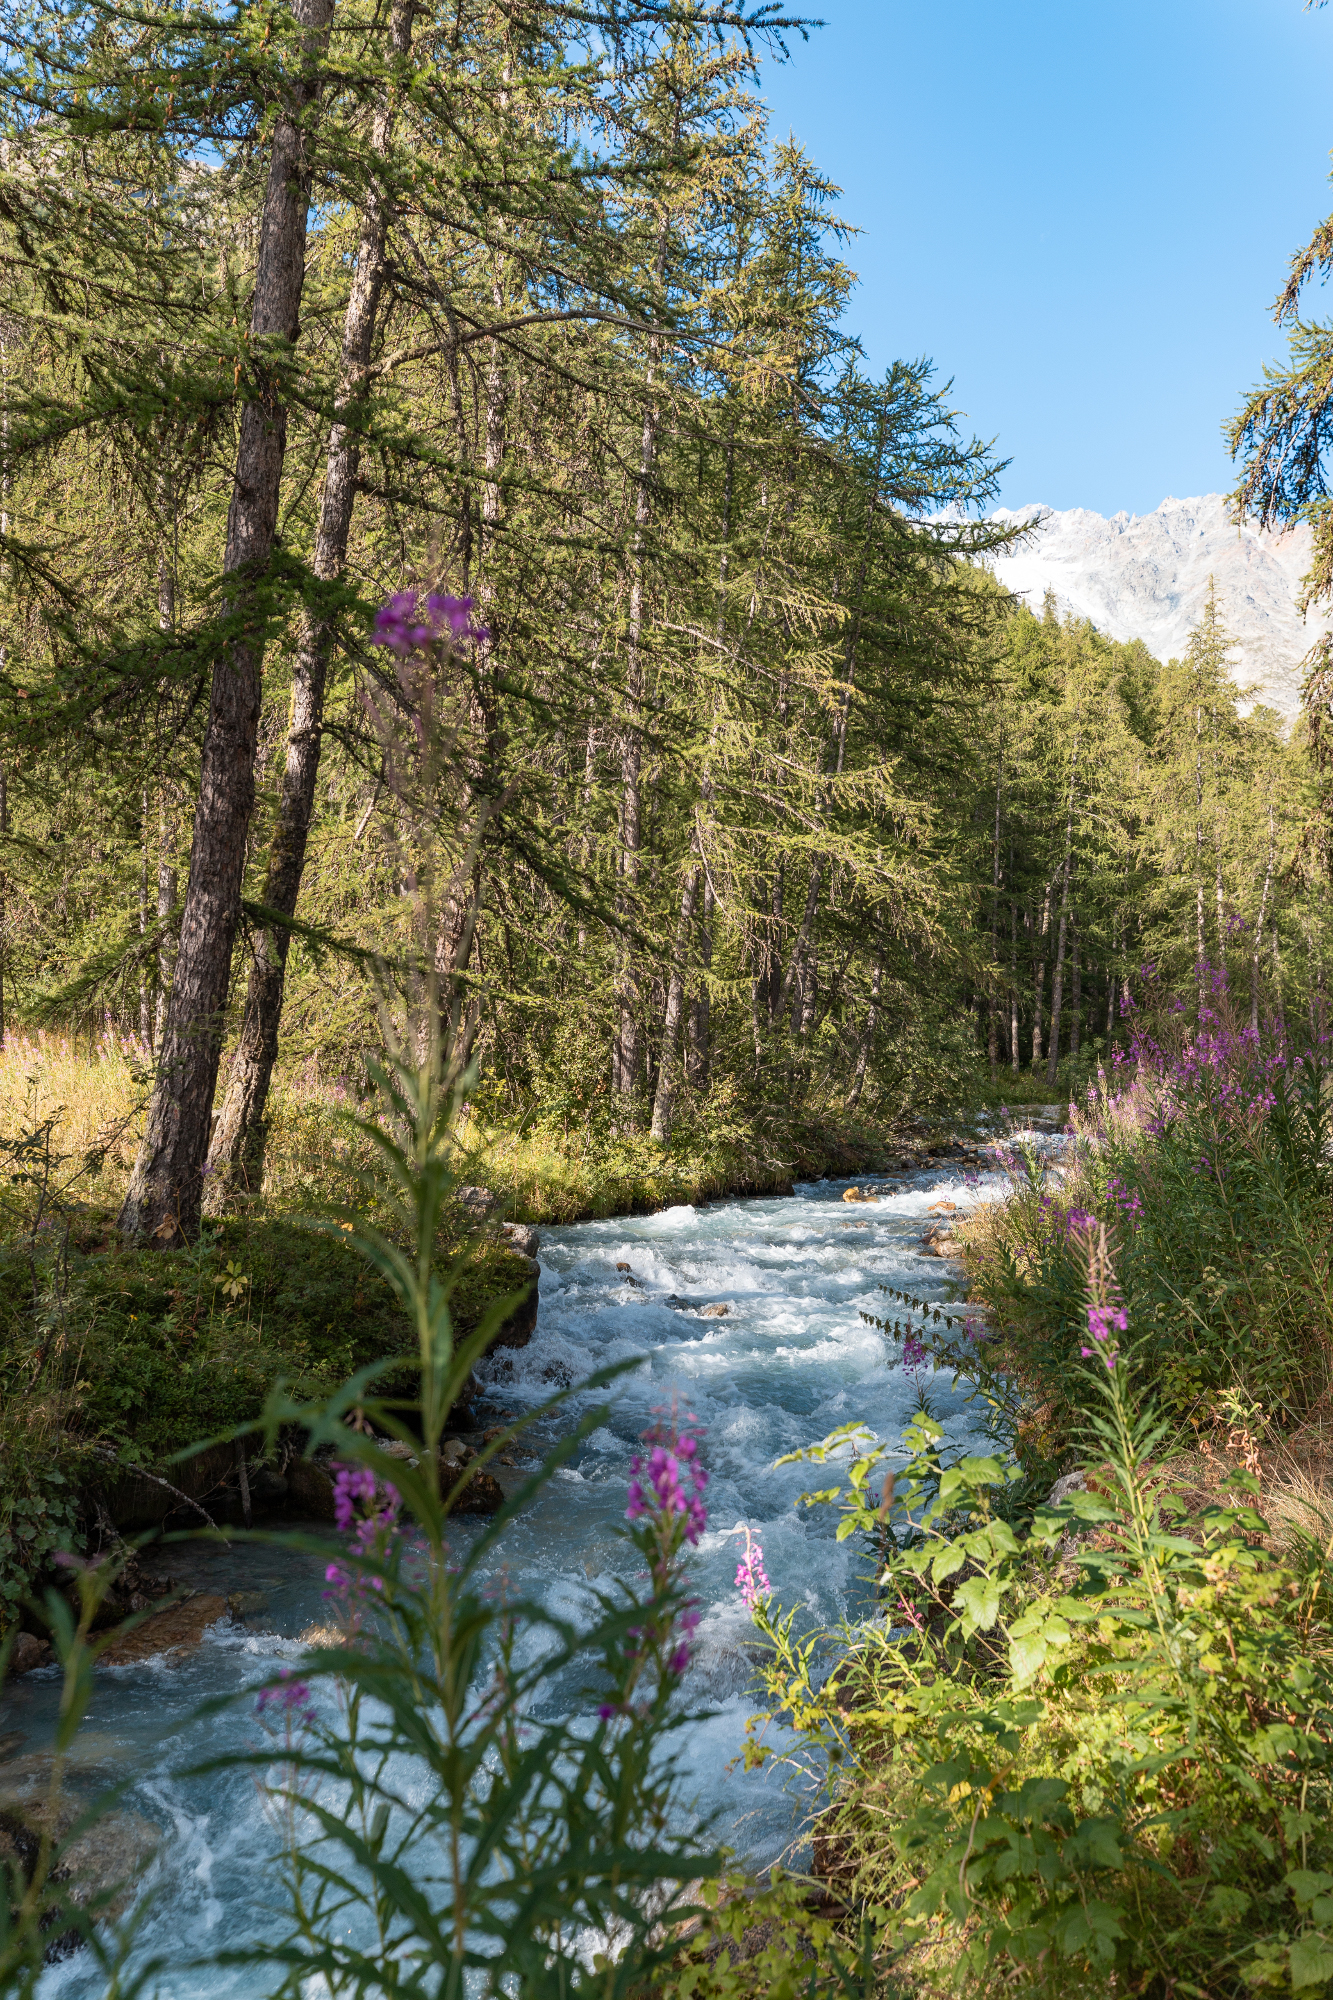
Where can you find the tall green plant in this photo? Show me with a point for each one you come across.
(1095, 1752)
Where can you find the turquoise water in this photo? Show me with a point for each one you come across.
(790, 1360)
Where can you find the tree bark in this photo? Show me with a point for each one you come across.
(1057, 987)
(165, 1195)
(236, 1157)
(625, 1056)
(668, 1072)
(700, 1012)
(868, 1037)
(1039, 973)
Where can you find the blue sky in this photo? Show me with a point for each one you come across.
(1082, 212)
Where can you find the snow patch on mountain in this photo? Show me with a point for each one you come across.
(1145, 576)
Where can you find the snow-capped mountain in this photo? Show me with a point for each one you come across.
(1145, 576)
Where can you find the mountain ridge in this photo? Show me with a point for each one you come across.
(1145, 576)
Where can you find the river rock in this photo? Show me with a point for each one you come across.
(1068, 1483)
(102, 1867)
(942, 1208)
(478, 1201)
(29, 1652)
(521, 1236)
(243, 1604)
(482, 1494)
(941, 1243)
(175, 1630)
(719, 1311)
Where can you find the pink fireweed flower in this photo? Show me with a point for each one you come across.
(289, 1701)
(751, 1576)
(367, 1513)
(658, 1485)
(406, 625)
(1103, 1320)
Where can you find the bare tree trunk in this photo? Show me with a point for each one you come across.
(7, 329)
(167, 806)
(668, 1071)
(1076, 998)
(145, 1016)
(1278, 1007)
(699, 1060)
(1057, 986)
(163, 1204)
(1039, 974)
(868, 1036)
(1013, 972)
(993, 1010)
(236, 1157)
(625, 1055)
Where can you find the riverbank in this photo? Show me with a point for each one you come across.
(1117, 1636)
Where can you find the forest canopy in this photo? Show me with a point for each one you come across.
(745, 782)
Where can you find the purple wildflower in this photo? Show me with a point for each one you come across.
(657, 1485)
(405, 625)
(289, 1701)
(751, 1576)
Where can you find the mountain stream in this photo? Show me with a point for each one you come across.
(789, 1360)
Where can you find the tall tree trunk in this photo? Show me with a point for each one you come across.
(668, 1070)
(993, 1008)
(625, 1055)
(700, 1027)
(5, 486)
(163, 1204)
(1039, 973)
(236, 1157)
(1013, 971)
(1057, 988)
(868, 1036)
(145, 1015)
(1076, 997)
(167, 797)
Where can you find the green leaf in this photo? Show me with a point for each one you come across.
(1311, 1961)
(1095, 1844)
(979, 1599)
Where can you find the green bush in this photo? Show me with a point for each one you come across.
(1096, 1757)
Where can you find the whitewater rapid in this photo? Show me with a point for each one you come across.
(790, 1360)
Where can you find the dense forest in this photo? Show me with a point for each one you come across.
(744, 778)
(493, 688)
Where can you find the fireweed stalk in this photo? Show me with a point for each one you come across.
(667, 1515)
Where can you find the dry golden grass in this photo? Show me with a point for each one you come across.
(94, 1098)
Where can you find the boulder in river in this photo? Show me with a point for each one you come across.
(29, 1652)
(517, 1329)
(718, 1311)
(99, 1871)
(175, 1630)
(521, 1236)
(941, 1243)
